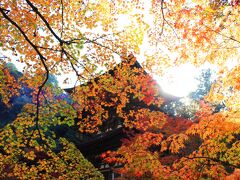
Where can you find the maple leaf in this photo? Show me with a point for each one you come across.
(59, 37)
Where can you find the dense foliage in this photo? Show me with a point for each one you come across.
(28, 152)
(84, 37)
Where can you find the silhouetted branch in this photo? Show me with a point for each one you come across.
(35, 9)
(42, 59)
(76, 71)
(22, 32)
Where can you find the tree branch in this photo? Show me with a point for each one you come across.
(106, 47)
(22, 32)
(35, 9)
(231, 38)
(42, 59)
(163, 18)
(215, 160)
(62, 18)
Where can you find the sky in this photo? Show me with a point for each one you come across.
(178, 81)
(171, 82)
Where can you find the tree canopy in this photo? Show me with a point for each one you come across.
(88, 37)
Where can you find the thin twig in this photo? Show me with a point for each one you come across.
(62, 18)
(76, 40)
(231, 38)
(101, 45)
(163, 18)
(215, 160)
(71, 57)
(75, 70)
(47, 48)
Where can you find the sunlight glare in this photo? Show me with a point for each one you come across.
(123, 21)
(231, 63)
(179, 81)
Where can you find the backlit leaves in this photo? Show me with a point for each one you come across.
(85, 37)
(8, 85)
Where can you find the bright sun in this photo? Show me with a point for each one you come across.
(179, 81)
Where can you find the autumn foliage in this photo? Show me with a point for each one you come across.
(9, 85)
(55, 37)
